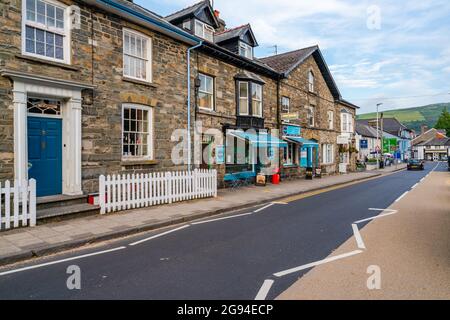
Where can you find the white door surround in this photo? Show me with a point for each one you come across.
(26, 85)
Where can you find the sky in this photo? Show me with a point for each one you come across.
(381, 51)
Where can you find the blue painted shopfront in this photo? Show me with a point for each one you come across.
(309, 149)
(255, 141)
(45, 154)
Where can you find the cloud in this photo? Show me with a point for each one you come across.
(408, 56)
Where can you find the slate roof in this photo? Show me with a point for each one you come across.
(390, 125)
(187, 11)
(234, 33)
(366, 130)
(285, 63)
(136, 11)
(436, 142)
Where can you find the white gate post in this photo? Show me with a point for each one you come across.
(101, 200)
(32, 202)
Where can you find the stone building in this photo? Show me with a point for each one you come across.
(98, 87)
(88, 88)
(310, 112)
(234, 93)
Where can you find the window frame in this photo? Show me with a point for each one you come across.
(213, 93)
(204, 26)
(148, 59)
(247, 49)
(65, 32)
(290, 155)
(312, 110)
(187, 24)
(257, 85)
(283, 99)
(330, 115)
(311, 81)
(247, 98)
(327, 153)
(150, 134)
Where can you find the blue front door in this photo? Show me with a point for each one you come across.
(45, 155)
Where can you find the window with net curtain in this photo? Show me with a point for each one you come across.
(137, 56)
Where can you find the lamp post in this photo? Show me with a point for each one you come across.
(379, 147)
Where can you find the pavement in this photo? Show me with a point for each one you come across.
(48, 238)
(229, 256)
(409, 249)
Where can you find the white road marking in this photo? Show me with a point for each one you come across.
(313, 264)
(224, 218)
(61, 261)
(263, 208)
(279, 202)
(415, 185)
(376, 217)
(384, 210)
(264, 290)
(421, 180)
(358, 237)
(401, 197)
(158, 235)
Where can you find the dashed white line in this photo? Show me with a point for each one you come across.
(264, 290)
(313, 264)
(359, 240)
(61, 261)
(263, 208)
(377, 217)
(224, 218)
(401, 197)
(158, 235)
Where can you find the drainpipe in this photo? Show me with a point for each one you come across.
(189, 103)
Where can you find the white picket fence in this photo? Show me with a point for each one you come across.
(123, 192)
(17, 204)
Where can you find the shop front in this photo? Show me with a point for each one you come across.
(249, 153)
(300, 154)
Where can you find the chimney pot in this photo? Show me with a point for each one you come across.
(217, 13)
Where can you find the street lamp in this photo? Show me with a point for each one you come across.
(379, 147)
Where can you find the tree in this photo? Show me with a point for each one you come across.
(444, 121)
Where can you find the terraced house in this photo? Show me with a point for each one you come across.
(315, 121)
(91, 87)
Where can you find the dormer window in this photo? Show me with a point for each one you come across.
(187, 24)
(204, 31)
(245, 50)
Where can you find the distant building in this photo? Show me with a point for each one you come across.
(432, 145)
(395, 128)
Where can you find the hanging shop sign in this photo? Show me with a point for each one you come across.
(364, 144)
(290, 116)
(292, 131)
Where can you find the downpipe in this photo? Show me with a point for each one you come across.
(189, 152)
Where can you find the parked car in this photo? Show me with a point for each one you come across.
(415, 164)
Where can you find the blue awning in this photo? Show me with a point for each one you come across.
(304, 142)
(261, 139)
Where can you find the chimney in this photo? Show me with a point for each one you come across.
(222, 24)
(423, 129)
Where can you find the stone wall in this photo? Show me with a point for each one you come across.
(225, 97)
(296, 87)
(96, 50)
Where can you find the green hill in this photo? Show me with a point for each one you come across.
(413, 118)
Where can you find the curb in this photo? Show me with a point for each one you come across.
(72, 244)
